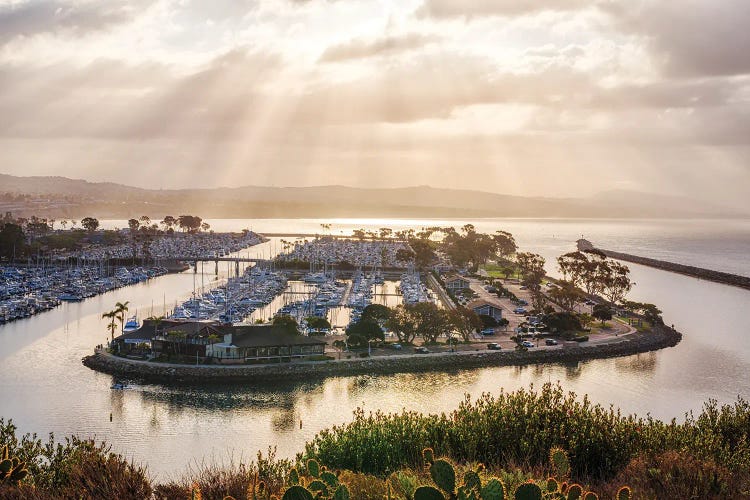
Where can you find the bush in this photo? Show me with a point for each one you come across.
(521, 427)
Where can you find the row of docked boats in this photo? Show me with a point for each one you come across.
(413, 289)
(236, 300)
(325, 296)
(27, 291)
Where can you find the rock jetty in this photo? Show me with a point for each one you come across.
(636, 343)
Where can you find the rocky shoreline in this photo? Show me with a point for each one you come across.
(635, 343)
(695, 272)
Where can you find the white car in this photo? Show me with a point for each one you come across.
(527, 343)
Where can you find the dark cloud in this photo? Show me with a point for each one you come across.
(51, 16)
(361, 49)
(690, 37)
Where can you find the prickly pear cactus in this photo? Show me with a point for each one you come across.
(342, 493)
(444, 475)
(12, 470)
(313, 468)
(428, 455)
(293, 477)
(591, 496)
(297, 492)
(428, 493)
(528, 491)
(552, 485)
(472, 480)
(493, 490)
(560, 462)
(623, 493)
(329, 478)
(318, 485)
(574, 492)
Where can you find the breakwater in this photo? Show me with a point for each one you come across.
(658, 338)
(695, 272)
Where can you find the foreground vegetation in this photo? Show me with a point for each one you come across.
(519, 438)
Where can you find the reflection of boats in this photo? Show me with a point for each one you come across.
(131, 325)
(118, 386)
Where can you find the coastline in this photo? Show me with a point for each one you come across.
(636, 343)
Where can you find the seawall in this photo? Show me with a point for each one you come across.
(695, 272)
(636, 343)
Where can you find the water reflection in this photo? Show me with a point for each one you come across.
(44, 387)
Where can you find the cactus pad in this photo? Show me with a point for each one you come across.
(428, 493)
(493, 490)
(528, 491)
(444, 475)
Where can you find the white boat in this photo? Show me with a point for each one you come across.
(131, 325)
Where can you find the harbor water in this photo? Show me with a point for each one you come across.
(45, 388)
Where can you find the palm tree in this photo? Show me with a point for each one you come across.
(111, 326)
(120, 310)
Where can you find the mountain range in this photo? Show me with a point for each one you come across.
(64, 197)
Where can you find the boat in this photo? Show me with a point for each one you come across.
(118, 386)
(131, 325)
(70, 297)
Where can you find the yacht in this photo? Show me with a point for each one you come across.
(131, 325)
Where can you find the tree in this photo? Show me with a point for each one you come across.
(286, 324)
(602, 312)
(403, 324)
(205, 226)
(168, 222)
(112, 325)
(405, 255)
(90, 224)
(532, 269)
(431, 321)
(487, 321)
(505, 243)
(566, 295)
(364, 331)
(189, 223)
(376, 312)
(339, 345)
(573, 266)
(424, 254)
(318, 323)
(465, 321)
(12, 241)
(616, 281)
(120, 310)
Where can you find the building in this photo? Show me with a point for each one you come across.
(455, 283)
(263, 342)
(210, 340)
(482, 307)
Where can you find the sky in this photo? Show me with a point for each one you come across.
(543, 97)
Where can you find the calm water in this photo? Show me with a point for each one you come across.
(44, 387)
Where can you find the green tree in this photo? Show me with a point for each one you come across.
(376, 312)
(466, 322)
(285, 323)
(12, 241)
(121, 309)
(318, 323)
(339, 345)
(112, 325)
(602, 312)
(90, 224)
(403, 323)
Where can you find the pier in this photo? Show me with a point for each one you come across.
(692, 271)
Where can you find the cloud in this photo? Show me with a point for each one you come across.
(443, 9)
(31, 18)
(690, 37)
(362, 49)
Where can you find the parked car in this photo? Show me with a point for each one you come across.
(488, 331)
(527, 343)
(396, 346)
(523, 302)
(421, 350)
(550, 342)
(494, 346)
(519, 310)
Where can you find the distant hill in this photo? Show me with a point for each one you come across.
(64, 197)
